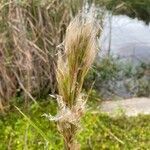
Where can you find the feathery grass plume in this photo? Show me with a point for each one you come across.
(80, 48)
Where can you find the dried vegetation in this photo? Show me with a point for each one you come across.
(29, 34)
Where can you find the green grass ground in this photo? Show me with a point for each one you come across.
(98, 131)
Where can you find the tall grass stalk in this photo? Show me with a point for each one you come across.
(80, 47)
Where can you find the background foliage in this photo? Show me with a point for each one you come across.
(132, 8)
(98, 131)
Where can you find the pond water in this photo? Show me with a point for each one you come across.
(127, 38)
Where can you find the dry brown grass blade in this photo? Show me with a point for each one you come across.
(30, 33)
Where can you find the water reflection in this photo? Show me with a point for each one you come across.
(130, 38)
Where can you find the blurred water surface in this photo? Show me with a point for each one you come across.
(127, 38)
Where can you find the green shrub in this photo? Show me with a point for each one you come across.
(103, 70)
(114, 77)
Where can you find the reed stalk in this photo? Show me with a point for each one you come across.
(29, 33)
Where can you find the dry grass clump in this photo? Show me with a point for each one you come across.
(80, 47)
(29, 33)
